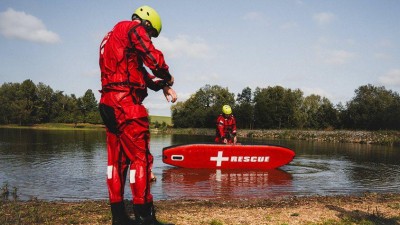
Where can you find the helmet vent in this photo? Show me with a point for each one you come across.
(148, 14)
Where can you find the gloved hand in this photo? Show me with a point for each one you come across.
(171, 82)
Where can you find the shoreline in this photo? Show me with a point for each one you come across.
(383, 137)
(389, 138)
(368, 208)
(363, 208)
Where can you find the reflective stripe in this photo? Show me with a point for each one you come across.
(109, 172)
(132, 175)
(139, 38)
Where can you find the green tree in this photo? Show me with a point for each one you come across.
(244, 110)
(25, 103)
(180, 115)
(44, 103)
(309, 111)
(89, 102)
(65, 109)
(202, 108)
(318, 112)
(373, 108)
(72, 114)
(7, 97)
(327, 114)
(89, 107)
(277, 107)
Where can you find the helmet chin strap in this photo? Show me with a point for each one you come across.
(147, 25)
(149, 28)
(135, 17)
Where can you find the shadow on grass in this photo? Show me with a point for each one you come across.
(360, 217)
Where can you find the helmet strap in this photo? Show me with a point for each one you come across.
(149, 28)
(134, 17)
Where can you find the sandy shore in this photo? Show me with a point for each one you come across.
(375, 208)
(370, 208)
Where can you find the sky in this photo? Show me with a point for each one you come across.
(329, 48)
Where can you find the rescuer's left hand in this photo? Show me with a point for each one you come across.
(170, 94)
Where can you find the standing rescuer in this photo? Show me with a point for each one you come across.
(226, 126)
(123, 53)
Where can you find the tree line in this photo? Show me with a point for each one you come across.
(26, 103)
(372, 108)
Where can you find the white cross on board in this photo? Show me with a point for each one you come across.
(219, 158)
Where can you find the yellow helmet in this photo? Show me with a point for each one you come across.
(226, 109)
(149, 14)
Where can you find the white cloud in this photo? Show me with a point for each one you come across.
(317, 91)
(253, 16)
(183, 46)
(288, 25)
(20, 25)
(299, 2)
(211, 76)
(324, 18)
(391, 78)
(382, 56)
(336, 57)
(385, 43)
(184, 96)
(157, 99)
(91, 73)
(157, 106)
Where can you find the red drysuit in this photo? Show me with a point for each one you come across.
(124, 79)
(226, 128)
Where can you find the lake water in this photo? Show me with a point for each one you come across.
(71, 165)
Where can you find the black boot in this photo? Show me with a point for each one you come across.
(138, 218)
(147, 214)
(119, 216)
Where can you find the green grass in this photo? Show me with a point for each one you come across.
(98, 212)
(161, 119)
(80, 126)
(216, 222)
(56, 126)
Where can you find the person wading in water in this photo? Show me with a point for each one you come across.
(226, 127)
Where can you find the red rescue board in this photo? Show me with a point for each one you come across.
(221, 156)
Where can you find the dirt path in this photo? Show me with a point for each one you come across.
(368, 209)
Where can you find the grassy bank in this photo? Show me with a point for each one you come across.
(391, 138)
(368, 209)
(57, 126)
(79, 126)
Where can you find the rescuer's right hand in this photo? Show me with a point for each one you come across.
(171, 82)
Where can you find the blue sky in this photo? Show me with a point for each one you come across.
(322, 47)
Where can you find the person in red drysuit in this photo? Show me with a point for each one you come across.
(226, 127)
(124, 52)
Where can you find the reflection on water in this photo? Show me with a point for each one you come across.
(53, 164)
(227, 184)
(71, 165)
